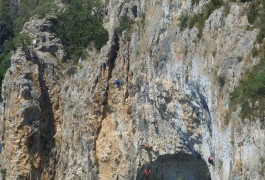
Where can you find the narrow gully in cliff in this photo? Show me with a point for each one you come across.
(112, 55)
(127, 72)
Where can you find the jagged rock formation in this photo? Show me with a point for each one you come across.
(63, 121)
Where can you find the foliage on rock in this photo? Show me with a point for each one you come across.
(199, 19)
(250, 94)
(125, 23)
(12, 19)
(79, 25)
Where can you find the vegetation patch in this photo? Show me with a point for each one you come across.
(125, 23)
(20, 40)
(226, 8)
(183, 19)
(221, 80)
(261, 23)
(198, 20)
(12, 19)
(71, 71)
(3, 172)
(195, 2)
(79, 26)
(252, 12)
(250, 94)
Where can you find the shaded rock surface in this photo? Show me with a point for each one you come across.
(57, 125)
(176, 166)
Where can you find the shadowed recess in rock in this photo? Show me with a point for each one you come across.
(176, 166)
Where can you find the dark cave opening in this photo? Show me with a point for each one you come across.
(177, 166)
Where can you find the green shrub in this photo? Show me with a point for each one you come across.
(252, 12)
(77, 27)
(124, 23)
(255, 52)
(250, 94)
(11, 23)
(21, 40)
(108, 108)
(199, 19)
(239, 58)
(226, 9)
(71, 71)
(220, 164)
(180, 178)
(192, 21)
(261, 23)
(4, 65)
(221, 80)
(6, 23)
(3, 172)
(195, 2)
(183, 21)
(29, 8)
(142, 17)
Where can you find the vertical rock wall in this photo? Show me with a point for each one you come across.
(64, 121)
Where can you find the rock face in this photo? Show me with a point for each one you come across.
(31, 120)
(63, 121)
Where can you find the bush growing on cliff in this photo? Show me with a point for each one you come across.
(6, 23)
(21, 40)
(183, 21)
(250, 94)
(261, 23)
(4, 65)
(12, 19)
(199, 19)
(78, 26)
(252, 12)
(125, 23)
(29, 8)
(195, 2)
(3, 172)
(221, 80)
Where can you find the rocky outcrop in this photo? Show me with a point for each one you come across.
(65, 121)
(32, 119)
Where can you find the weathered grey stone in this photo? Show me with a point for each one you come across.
(83, 127)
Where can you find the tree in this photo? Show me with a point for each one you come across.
(6, 24)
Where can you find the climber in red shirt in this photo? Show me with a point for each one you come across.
(146, 173)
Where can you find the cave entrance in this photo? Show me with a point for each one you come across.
(175, 167)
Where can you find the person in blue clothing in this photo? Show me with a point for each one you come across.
(117, 82)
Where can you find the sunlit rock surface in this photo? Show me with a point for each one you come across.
(64, 121)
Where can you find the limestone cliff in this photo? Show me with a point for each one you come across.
(68, 121)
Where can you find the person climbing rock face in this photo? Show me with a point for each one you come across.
(147, 172)
(152, 120)
(117, 82)
(211, 159)
(146, 147)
